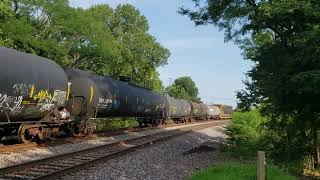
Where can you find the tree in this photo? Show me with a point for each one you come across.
(282, 39)
(184, 88)
(106, 41)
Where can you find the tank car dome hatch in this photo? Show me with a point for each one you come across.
(125, 79)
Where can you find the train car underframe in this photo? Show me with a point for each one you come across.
(40, 130)
(155, 122)
(182, 120)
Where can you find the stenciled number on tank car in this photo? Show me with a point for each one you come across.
(104, 103)
(10, 104)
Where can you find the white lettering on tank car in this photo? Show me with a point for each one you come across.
(104, 103)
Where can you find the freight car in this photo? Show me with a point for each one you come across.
(31, 92)
(225, 111)
(213, 112)
(199, 111)
(100, 96)
(179, 110)
(39, 99)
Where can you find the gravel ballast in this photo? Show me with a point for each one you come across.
(177, 158)
(10, 159)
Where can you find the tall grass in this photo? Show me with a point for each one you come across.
(239, 172)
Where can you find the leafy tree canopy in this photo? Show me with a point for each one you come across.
(100, 39)
(282, 38)
(184, 88)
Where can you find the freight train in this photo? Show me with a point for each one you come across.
(40, 99)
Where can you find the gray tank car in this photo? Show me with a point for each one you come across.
(199, 111)
(179, 110)
(214, 112)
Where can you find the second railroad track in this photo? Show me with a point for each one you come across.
(57, 166)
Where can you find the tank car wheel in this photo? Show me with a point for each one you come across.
(163, 122)
(184, 120)
(2, 133)
(23, 134)
(77, 133)
(145, 122)
(156, 122)
(140, 124)
(83, 129)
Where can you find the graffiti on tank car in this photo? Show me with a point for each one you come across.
(46, 107)
(59, 97)
(43, 96)
(31, 109)
(27, 102)
(21, 89)
(11, 104)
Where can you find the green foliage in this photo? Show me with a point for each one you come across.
(184, 88)
(100, 39)
(248, 133)
(239, 172)
(282, 39)
(243, 132)
(116, 123)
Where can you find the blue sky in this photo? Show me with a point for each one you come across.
(199, 52)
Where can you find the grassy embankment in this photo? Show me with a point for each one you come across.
(236, 171)
(245, 138)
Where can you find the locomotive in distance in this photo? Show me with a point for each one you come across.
(39, 99)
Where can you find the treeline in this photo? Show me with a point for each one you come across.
(100, 39)
(282, 39)
(184, 88)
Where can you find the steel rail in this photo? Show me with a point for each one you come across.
(15, 148)
(57, 166)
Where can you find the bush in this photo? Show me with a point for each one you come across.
(243, 132)
(116, 123)
(248, 133)
(239, 172)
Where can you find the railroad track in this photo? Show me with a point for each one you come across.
(16, 148)
(57, 166)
